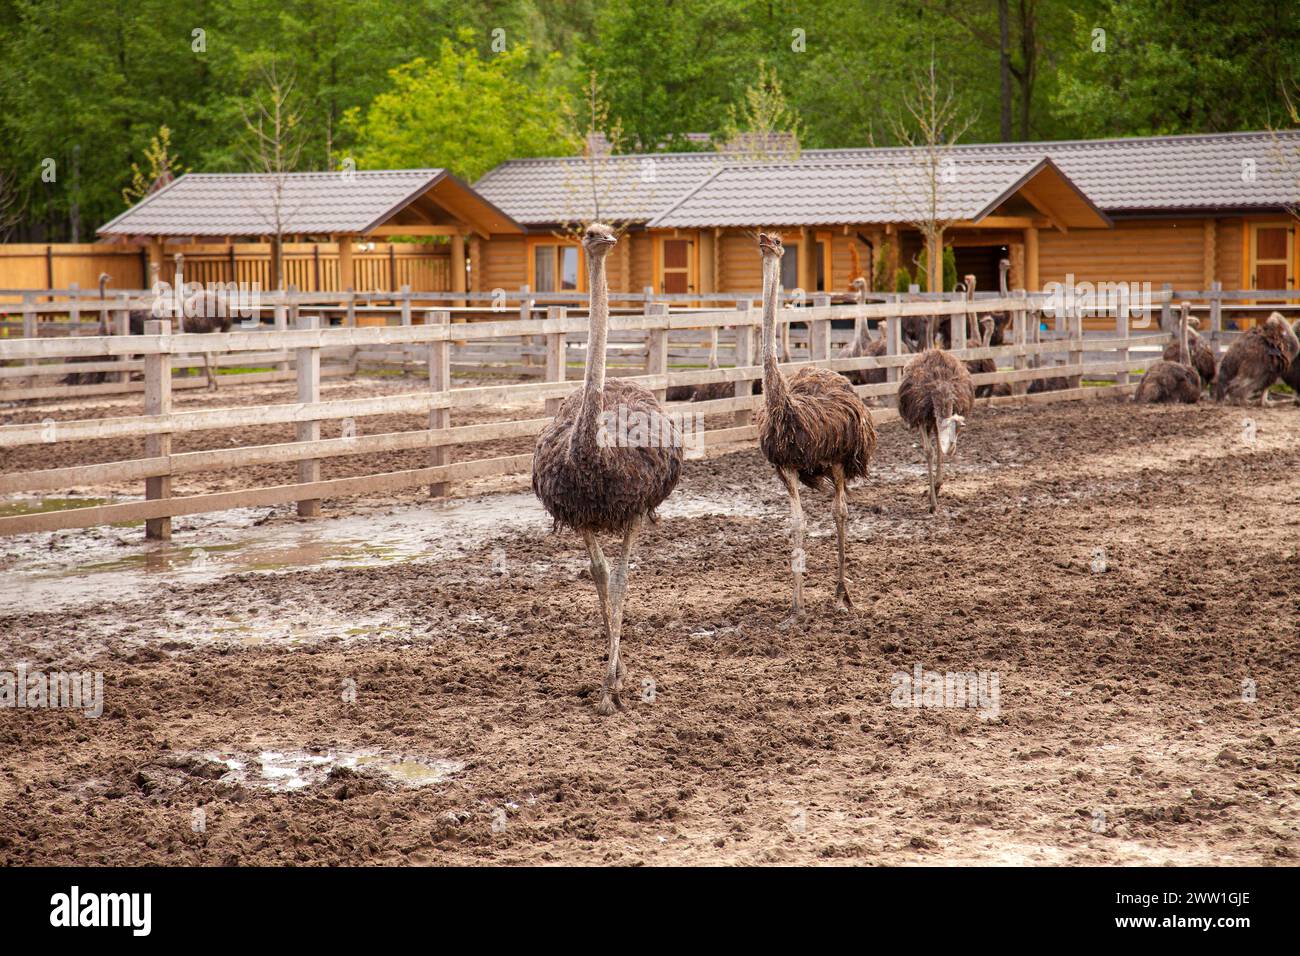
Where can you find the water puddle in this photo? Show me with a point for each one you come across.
(41, 504)
(297, 769)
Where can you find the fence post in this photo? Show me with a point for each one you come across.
(122, 326)
(656, 357)
(958, 325)
(1021, 334)
(1216, 317)
(74, 309)
(291, 320)
(308, 369)
(439, 383)
(893, 347)
(819, 331)
(1076, 343)
(744, 357)
(158, 401)
(526, 342)
(29, 321)
(556, 356)
(1122, 331)
(405, 300)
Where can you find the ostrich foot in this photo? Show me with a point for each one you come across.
(796, 617)
(843, 600)
(610, 700)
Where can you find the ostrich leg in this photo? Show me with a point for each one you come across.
(610, 693)
(600, 575)
(207, 367)
(842, 597)
(797, 559)
(929, 469)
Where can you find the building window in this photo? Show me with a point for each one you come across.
(555, 268)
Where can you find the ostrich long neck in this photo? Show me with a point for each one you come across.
(594, 382)
(773, 380)
(1184, 352)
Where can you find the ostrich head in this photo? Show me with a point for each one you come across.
(859, 287)
(598, 239)
(948, 424)
(769, 244)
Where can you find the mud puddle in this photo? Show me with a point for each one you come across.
(292, 770)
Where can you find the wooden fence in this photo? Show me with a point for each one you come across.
(49, 267)
(1110, 357)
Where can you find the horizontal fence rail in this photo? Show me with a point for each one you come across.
(555, 341)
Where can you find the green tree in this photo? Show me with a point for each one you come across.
(462, 111)
(1178, 67)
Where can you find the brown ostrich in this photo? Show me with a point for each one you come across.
(1055, 383)
(811, 427)
(596, 482)
(863, 344)
(935, 395)
(1292, 374)
(1258, 358)
(1202, 357)
(1001, 320)
(1167, 382)
(981, 341)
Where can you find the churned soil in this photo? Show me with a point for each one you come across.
(1127, 574)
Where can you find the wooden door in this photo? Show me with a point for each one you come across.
(677, 274)
(1272, 252)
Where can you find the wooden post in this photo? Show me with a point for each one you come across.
(525, 314)
(74, 308)
(555, 354)
(958, 325)
(1216, 317)
(744, 357)
(1076, 343)
(292, 320)
(158, 401)
(656, 358)
(1031, 258)
(439, 381)
(29, 321)
(122, 326)
(405, 304)
(308, 363)
(1021, 338)
(346, 282)
(1122, 331)
(893, 346)
(458, 266)
(819, 331)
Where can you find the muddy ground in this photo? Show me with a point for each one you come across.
(1124, 572)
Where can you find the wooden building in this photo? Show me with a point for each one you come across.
(1185, 210)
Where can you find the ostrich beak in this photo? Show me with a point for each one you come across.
(948, 428)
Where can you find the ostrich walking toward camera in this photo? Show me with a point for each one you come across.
(811, 427)
(935, 395)
(593, 484)
(1258, 358)
(1292, 374)
(1167, 382)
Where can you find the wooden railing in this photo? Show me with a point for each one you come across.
(1111, 358)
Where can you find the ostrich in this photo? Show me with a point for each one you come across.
(1171, 382)
(593, 482)
(1001, 320)
(811, 427)
(935, 395)
(863, 344)
(981, 341)
(1202, 359)
(1256, 360)
(1292, 374)
(1054, 384)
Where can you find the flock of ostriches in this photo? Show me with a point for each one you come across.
(812, 427)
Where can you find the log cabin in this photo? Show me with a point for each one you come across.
(1184, 210)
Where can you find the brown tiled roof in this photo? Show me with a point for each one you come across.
(1202, 172)
(244, 204)
(826, 194)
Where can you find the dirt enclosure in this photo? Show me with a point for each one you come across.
(419, 688)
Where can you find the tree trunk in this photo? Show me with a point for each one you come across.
(1004, 55)
(277, 261)
(934, 263)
